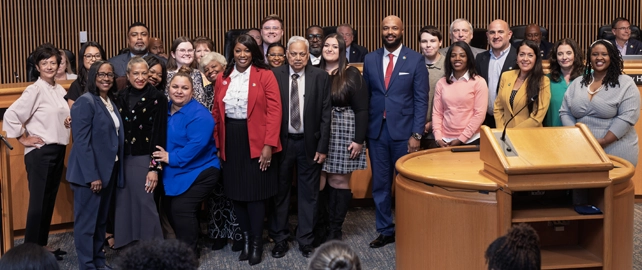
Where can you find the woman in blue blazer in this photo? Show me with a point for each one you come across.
(94, 165)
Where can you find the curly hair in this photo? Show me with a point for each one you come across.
(170, 254)
(613, 71)
(578, 60)
(518, 249)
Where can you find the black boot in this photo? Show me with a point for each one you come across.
(320, 231)
(339, 203)
(245, 252)
(219, 243)
(256, 250)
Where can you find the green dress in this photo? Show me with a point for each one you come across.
(558, 89)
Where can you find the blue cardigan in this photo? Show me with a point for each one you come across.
(191, 146)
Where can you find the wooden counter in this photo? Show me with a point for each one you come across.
(447, 213)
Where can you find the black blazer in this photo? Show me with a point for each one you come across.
(120, 62)
(483, 59)
(357, 53)
(317, 112)
(545, 48)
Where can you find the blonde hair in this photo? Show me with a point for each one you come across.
(212, 56)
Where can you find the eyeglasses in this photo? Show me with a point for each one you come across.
(624, 28)
(105, 75)
(311, 36)
(275, 55)
(185, 51)
(268, 28)
(95, 56)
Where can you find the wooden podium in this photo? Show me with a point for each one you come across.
(450, 206)
(6, 223)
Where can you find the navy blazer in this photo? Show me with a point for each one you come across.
(406, 99)
(357, 53)
(95, 142)
(317, 109)
(633, 48)
(483, 59)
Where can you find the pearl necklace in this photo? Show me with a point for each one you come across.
(588, 89)
(107, 104)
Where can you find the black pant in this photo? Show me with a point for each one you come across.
(182, 209)
(44, 172)
(308, 175)
(250, 216)
(489, 121)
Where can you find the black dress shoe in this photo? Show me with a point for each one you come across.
(237, 245)
(219, 243)
(306, 250)
(382, 240)
(59, 252)
(280, 248)
(58, 257)
(245, 252)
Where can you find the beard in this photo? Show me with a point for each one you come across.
(392, 45)
(315, 51)
(137, 50)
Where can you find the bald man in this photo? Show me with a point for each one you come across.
(397, 79)
(534, 33)
(156, 47)
(461, 30)
(490, 64)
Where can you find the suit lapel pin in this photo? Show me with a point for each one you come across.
(510, 67)
(224, 82)
(508, 84)
(404, 57)
(631, 46)
(253, 84)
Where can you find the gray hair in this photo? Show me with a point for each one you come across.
(450, 30)
(212, 56)
(294, 39)
(136, 60)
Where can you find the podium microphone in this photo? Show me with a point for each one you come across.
(6, 142)
(513, 117)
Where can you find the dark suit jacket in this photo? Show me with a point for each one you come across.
(120, 63)
(545, 48)
(633, 48)
(406, 99)
(95, 142)
(483, 59)
(357, 53)
(317, 112)
(263, 112)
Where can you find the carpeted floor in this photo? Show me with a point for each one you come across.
(359, 230)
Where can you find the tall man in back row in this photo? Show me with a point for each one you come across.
(398, 84)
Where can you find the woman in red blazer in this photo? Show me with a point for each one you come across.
(247, 110)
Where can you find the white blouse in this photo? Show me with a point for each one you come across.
(237, 94)
(40, 111)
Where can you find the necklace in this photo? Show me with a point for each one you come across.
(107, 104)
(588, 89)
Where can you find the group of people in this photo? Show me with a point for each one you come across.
(154, 137)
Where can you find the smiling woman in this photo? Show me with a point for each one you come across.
(182, 55)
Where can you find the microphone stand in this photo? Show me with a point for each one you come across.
(6, 142)
(503, 138)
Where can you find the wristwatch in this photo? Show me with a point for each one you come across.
(417, 136)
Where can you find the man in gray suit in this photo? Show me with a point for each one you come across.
(461, 30)
(138, 40)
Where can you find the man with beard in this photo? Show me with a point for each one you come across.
(354, 52)
(430, 39)
(315, 36)
(492, 63)
(138, 38)
(271, 31)
(305, 135)
(461, 30)
(397, 79)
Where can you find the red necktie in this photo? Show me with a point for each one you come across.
(389, 69)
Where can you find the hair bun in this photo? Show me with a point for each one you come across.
(340, 263)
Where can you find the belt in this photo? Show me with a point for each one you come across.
(295, 136)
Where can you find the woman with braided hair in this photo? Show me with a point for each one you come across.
(518, 249)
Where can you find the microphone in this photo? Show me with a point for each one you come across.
(6, 142)
(513, 117)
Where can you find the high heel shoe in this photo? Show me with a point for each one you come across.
(245, 253)
(256, 250)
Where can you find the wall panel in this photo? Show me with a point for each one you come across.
(29, 23)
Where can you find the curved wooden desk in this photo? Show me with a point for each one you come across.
(447, 214)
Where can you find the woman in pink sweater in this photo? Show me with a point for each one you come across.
(461, 97)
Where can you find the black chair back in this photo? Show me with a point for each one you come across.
(230, 36)
(32, 72)
(605, 32)
(479, 38)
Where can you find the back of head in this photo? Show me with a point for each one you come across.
(335, 255)
(168, 254)
(28, 256)
(518, 249)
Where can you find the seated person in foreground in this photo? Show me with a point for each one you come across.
(518, 249)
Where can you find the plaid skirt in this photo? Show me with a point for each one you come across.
(341, 135)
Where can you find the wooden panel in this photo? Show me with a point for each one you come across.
(29, 23)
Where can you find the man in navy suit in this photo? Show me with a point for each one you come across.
(138, 39)
(534, 33)
(398, 83)
(492, 63)
(354, 52)
(625, 44)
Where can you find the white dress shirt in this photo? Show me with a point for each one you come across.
(237, 94)
(386, 58)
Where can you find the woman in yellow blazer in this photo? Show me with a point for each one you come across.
(518, 87)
